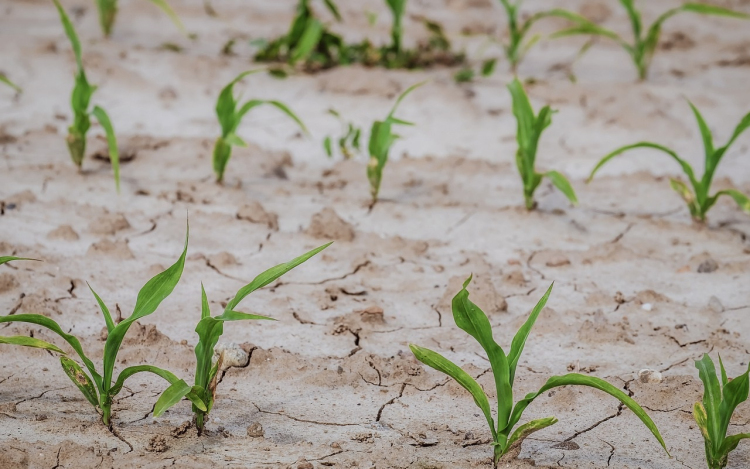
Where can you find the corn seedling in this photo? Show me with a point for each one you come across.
(80, 100)
(645, 41)
(230, 114)
(715, 412)
(348, 143)
(698, 200)
(473, 321)
(108, 12)
(209, 331)
(308, 40)
(530, 128)
(381, 140)
(6, 259)
(101, 389)
(518, 30)
(6, 80)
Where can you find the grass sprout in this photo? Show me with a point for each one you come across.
(715, 411)
(645, 40)
(470, 318)
(530, 128)
(80, 102)
(100, 389)
(697, 195)
(209, 330)
(230, 114)
(381, 140)
(108, 12)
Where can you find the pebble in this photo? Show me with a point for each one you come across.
(715, 305)
(255, 430)
(647, 306)
(707, 266)
(233, 355)
(649, 376)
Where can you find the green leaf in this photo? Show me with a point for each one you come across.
(685, 192)
(149, 298)
(174, 394)
(711, 396)
(471, 319)
(267, 277)
(71, 33)
(724, 379)
(327, 146)
(172, 15)
(741, 199)
(309, 40)
(741, 127)
(686, 168)
(528, 428)
(706, 9)
(131, 370)
(333, 9)
(114, 154)
(731, 442)
(105, 310)
(563, 185)
(6, 259)
(735, 392)
(80, 379)
(708, 140)
(488, 67)
(574, 379)
(27, 341)
(205, 308)
(635, 17)
(283, 108)
(699, 414)
(519, 340)
(48, 323)
(404, 95)
(239, 316)
(234, 140)
(442, 364)
(209, 330)
(6, 80)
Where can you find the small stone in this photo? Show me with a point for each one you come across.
(619, 298)
(233, 355)
(647, 306)
(255, 430)
(707, 266)
(715, 305)
(649, 376)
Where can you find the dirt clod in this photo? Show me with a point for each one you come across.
(157, 444)
(708, 266)
(255, 430)
(327, 224)
(63, 232)
(255, 213)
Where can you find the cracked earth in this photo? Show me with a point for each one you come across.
(332, 383)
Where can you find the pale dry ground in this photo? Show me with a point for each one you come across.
(332, 381)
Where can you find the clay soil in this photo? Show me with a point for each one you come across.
(332, 382)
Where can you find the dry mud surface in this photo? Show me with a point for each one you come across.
(332, 383)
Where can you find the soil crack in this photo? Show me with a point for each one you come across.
(297, 419)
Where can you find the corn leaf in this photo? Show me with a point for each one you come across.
(27, 341)
(309, 40)
(442, 364)
(574, 379)
(735, 392)
(172, 15)
(708, 142)
(80, 379)
(635, 17)
(741, 199)
(731, 442)
(333, 9)
(6, 80)
(706, 9)
(114, 154)
(105, 310)
(71, 33)
(404, 95)
(50, 324)
(174, 394)
(563, 185)
(283, 108)
(149, 298)
(267, 277)
(519, 340)
(699, 414)
(6, 259)
(528, 428)
(711, 396)
(471, 319)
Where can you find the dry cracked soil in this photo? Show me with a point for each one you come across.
(332, 382)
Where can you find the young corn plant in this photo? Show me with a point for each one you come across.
(398, 8)
(108, 12)
(530, 128)
(230, 114)
(697, 196)
(473, 321)
(80, 100)
(308, 40)
(381, 140)
(715, 412)
(209, 329)
(101, 389)
(645, 41)
(348, 143)
(518, 30)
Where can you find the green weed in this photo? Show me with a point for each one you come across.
(108, 12)
(230, 114)
(101, 389)
(715, 412)
(80, 100)
(698, 200)
(209, 331)
(381, 140)
(473, 321)
(530, 128)
(643, 47)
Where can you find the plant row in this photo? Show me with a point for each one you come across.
(712, 414)
(230, 111)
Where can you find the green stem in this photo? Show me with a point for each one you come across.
(106, 407)
(200, 422)
(498, 453)
(77, 147)
(530, 203)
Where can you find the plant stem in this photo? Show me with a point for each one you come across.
(106, 413)
(530, 204)
(199, 422)
(497, 454)
(77, 147)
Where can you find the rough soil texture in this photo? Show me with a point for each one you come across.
(332, 383)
